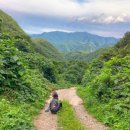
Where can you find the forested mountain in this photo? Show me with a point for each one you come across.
(76, 41)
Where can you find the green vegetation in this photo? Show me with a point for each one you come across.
(23, 90)
(26, 77)
(46, 49)
(83, 55)
(10, 26)
(74, 71)
(31, 68)
(67, 119)
(106, 91)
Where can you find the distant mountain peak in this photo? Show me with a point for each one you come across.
(76, 41)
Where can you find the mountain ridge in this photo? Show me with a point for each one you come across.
(76, 41)
(71, 32)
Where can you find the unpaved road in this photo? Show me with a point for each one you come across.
(48, 121)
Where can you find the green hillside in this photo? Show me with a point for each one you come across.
(121, 49)
(46, 49)
(106, 90)
(10, 26)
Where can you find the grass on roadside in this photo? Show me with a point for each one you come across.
(67, 119)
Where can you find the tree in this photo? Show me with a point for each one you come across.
(0, 25)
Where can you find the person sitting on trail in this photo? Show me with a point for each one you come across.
(54, 104)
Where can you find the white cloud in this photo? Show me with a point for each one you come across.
(104, 18)
(113, 11)
(107, 33)
(38, 30)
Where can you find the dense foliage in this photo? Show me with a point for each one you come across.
(26, 70)
(23, 89)
(106, 90)
(73, 71)
(83, 55)
(46, 49)
(24, 77)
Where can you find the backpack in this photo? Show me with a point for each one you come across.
(54, 105)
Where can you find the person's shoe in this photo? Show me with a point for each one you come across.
(47, 110)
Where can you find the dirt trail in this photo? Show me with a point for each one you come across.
(48, 121)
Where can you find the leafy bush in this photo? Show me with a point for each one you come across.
(14, 117)
(107, 92)
(74, 71)
(11, 66)
(45, 66)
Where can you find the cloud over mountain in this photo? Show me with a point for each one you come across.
(105, 19)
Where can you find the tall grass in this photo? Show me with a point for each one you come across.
(67, 119)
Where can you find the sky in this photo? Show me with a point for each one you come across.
(102, 17)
